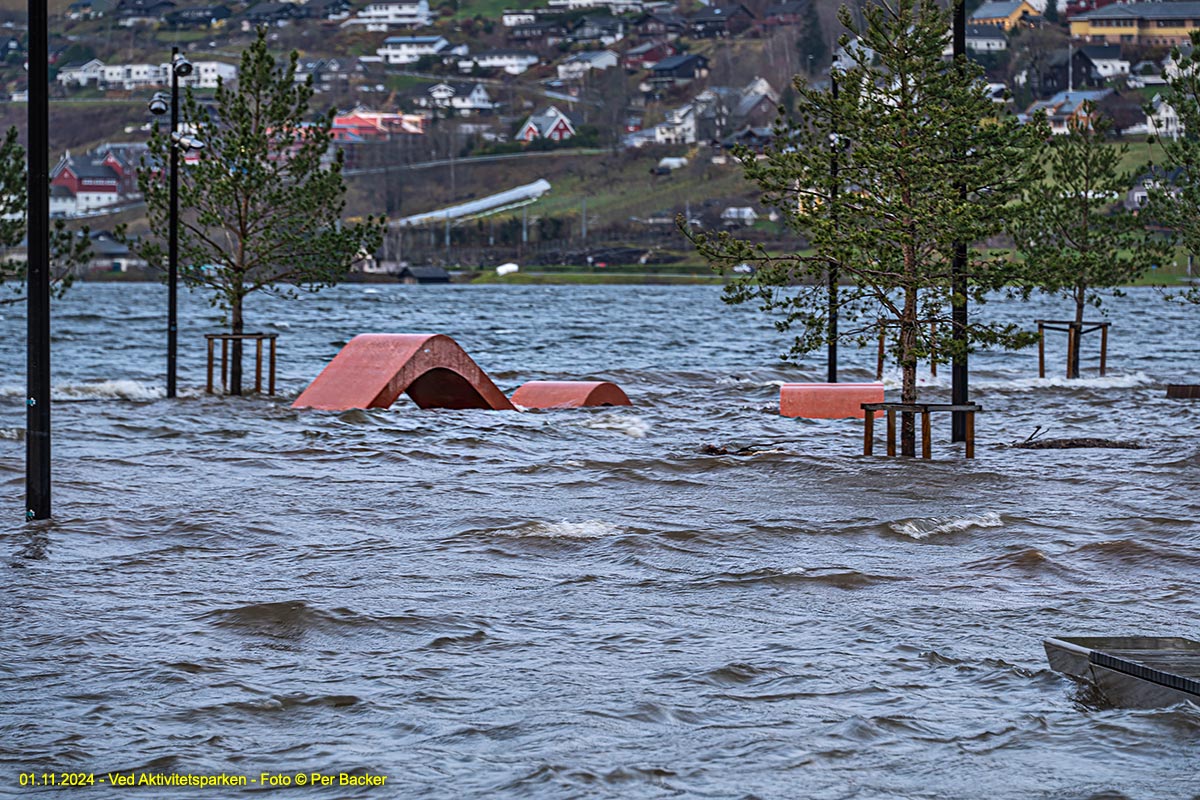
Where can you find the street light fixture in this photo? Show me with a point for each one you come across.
(159, 105)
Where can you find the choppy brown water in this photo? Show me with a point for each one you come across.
(581, 604)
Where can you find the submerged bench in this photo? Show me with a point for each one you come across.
(828, 400)
(924, 409)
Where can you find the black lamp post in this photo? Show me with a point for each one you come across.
(180, 68)
(958, 281)
(37, 293)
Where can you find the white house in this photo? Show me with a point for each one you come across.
(986, 38)
(1163, 120)
(464, 98)
(678, 128)
(205, 74)
(514, 62)
(578, 65)
(511, 19)
(131, 76)
(382, 15)
(1107, 59)
(81, 74)
(409, 49)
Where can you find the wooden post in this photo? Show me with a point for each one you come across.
(891, 432)
(869, 433)
(211, 342)
(925, 448)
(258, 365)
(224, 364)
(970, 434)
(879, 360)
(1103, 349)
(932, 349)
(272, 379)
(1041, 350)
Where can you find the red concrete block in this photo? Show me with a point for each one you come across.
(373, 369)
(828, 400)
(569, 394)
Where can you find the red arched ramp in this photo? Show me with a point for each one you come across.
(569, 394)
(373, 369)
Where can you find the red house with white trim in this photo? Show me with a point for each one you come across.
(550, 124)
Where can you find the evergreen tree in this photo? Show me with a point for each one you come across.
(261, 207)
(924, 160)
(1174, 189)
(1075, 235)
(68, 248)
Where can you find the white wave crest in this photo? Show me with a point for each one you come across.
(926, 527)
(628, 424)
(96, 390)
(1130, 381)
(588, 529)
(121, 390)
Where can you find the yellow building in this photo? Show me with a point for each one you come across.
(1006, 15)
(1138, 23)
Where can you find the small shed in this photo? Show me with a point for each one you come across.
(423, 275)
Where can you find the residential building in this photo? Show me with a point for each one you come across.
(542, 33)
(272, 14)
(410, 49)
(131, 13)
(664, 25)
(647, 54)
(549, 124)
(1164, 24)
(382, 15)
(577, 66)
(199, 16)
(463, 98)
(513, 62)
(105, 177)
(677, 70)
(1006, 14)
(598, 30)
(80, 74)
(986, 38)
(364, 125)
(1106, 58)
(1066, 108)
(678, 128)
(793, 12)
(722, 109)
(720, 21)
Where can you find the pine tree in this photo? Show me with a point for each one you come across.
(1174, 188)
(924, 160)
(261, 206)
(1075, 235)
(68, 249)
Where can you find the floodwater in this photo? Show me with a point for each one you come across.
(582, 603)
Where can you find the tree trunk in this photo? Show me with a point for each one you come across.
(1073, 342)
(908, 367)
(236, 327)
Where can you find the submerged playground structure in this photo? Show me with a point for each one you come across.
(374, 369)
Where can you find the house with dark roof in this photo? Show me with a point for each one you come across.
(677, 70)
(720, 21)
(793, 12)
(199, 16)
(986, 38)
(665, 25)
(464, 98)
(143, 12)
(1163, 24)
(271, 13)
(1107, 59)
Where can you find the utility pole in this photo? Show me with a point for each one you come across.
(959, 394)
(37, 291)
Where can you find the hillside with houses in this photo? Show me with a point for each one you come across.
(430, 95)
